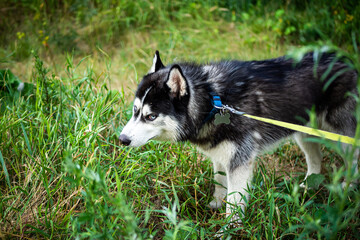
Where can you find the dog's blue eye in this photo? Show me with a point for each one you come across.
(151, 117)
(135, 109)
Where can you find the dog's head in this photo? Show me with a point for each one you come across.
(159, 106)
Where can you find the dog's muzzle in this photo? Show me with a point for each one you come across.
(124, 139)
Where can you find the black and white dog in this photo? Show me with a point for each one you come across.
(176, 103)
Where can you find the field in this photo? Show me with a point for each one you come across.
(63, 172)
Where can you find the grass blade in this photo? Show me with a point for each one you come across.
(26, 137)
(5, 169)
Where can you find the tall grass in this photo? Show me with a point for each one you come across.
(37, 130)
(65, 176)
(63, 173)
(82, 26)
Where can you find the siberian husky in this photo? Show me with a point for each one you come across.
(176, 103)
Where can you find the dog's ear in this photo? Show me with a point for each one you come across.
(176, 82)
(157, 64)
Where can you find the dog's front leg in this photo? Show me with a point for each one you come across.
(221, 156)
(238, 178)
(220, 185)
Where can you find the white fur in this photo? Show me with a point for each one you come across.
(137, 103)
(257, 135)
(163, 128)
(312, 153)
(169, 128)
(138, 132)
(220, 185)
(221, 153)
(152, 69)
(220, 156)
(146, 110)
(236, 180)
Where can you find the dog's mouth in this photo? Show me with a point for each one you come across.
(139, 144)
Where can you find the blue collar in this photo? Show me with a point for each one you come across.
(216, 102)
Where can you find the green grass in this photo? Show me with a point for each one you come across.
(63, 173)
(69, 177)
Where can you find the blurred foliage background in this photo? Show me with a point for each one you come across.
(82, 25)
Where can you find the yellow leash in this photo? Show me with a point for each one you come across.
(307, 130)
(298, 128)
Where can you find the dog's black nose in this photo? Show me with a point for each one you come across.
(124, 139)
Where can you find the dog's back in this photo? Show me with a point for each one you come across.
(278, 89)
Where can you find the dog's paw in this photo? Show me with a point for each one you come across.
(219, 234)
(215, 204)
(235, 222)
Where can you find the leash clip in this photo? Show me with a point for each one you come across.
(218, 105)
(233, 110)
